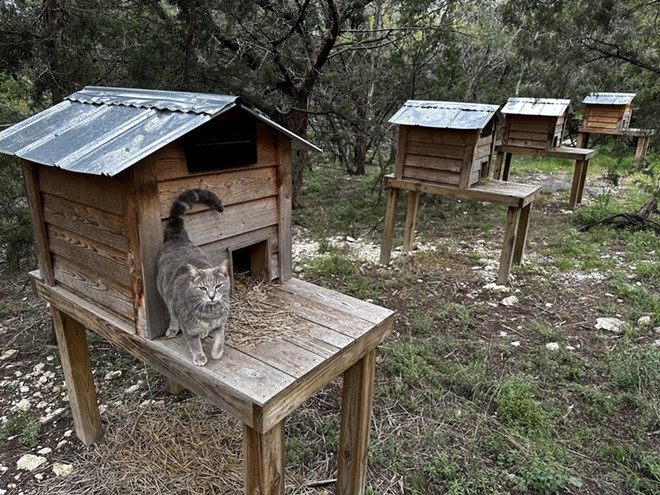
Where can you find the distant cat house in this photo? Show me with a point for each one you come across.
(536, 123)
(609, 111)
(103, 167)
(444, 142)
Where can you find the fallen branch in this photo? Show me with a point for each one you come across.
(640, 218)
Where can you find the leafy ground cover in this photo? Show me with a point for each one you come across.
(550, 385)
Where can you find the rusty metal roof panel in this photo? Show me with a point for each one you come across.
(103, 131)
(542, 107)
(445, 114)
(609, 98)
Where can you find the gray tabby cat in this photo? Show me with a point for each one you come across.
(195, 291)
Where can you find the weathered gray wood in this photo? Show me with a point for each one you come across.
(357, 397)
(144, 236)
(510, 234)
(388, 227)
(31, 177)
(263, 460)
(411, 216)
(76, 367)
(284, 205)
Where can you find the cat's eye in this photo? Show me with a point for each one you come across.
(202, 287)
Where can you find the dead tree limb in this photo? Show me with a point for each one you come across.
(640, 218)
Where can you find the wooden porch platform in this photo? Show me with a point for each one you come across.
(580, 157)
(259, 385)
(518, 197)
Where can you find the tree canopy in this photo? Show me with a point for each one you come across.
(332, 71)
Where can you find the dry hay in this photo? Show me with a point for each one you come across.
(185, 448)
(255, 317)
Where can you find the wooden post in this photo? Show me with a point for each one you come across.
(640, 151)
(74, 355)
(284, 202)
(263, 460)
(521, 237)
(411, 216)
(579, 177)
(356, 405)
(510, 232)
(507, 166)
(388, 229)
(497, 170)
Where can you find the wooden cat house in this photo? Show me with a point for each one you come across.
(609, 111)
(102, 169)
(536, 123)
(445, 148)
(445, 142)
(610, 114)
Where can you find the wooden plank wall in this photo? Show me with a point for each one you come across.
(482, 153)
(249, 196)
(605, 116)
(83, 217)
(435, 155)
(529, 131)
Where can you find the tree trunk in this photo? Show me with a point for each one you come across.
(298, 122)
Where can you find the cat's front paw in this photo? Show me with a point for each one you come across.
(200, 359)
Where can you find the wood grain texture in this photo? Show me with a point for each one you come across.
(411, 217)
(508, 246)
(357, 397)
(284, 206)
(31, 176)
(87, 221)
(99, 192)
(388, 226)
(76, 367)
(263, 461)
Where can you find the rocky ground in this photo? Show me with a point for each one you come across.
(142, 451)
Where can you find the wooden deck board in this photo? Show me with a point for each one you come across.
(489, 190)
(565, 152)
(259, 385)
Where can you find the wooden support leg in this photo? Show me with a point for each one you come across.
(497, 170)
(579, 177)
(521, 236)
(263, 460)
(173, 387)
(411, 216)
(388, 229)
(507, 166)
(510, 231)
(356, 405)
(74, 355)
(640, 151)
(583, 180)
(582, 140)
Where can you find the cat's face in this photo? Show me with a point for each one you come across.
(211, 285)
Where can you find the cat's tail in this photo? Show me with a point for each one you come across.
(175, 228)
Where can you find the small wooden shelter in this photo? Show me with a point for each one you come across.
(611, 114)
(102, 169)
(445, 142)
(536, 123)
(609, 111)
(445, 148)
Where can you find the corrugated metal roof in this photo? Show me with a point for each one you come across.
(609, 98)
(103, 131)
(543, 107)
(444, 114)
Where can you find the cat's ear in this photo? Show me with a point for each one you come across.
(223, 268)
(193, 272)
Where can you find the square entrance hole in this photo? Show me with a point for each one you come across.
(252, 261)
